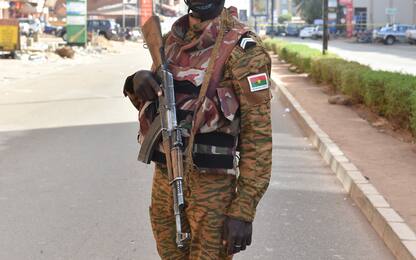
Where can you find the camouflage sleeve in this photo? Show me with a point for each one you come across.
(250, 69)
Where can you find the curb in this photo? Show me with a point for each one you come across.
(388, 224)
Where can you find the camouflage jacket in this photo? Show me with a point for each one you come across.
(242, 105)
(239, 106)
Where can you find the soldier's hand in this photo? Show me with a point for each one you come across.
(143, 85)
(237, 235)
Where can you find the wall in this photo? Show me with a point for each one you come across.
(377, 11)
(240, 4)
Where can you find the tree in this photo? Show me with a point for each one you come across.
(310, 9)
(284, 18)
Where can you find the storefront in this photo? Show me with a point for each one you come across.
(23, 8)
(377, 13)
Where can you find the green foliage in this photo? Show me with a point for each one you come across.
(310, 9)
(413, 113)
(398, 104)
(374, 90)
(351, 76)
(298, 54)
(285, 18)
(389, 94)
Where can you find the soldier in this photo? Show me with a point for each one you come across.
(232, 145)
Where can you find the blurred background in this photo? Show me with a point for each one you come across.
(70, 184)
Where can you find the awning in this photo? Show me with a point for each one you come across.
(116, 10)
(50, 3)
(26, 1)
(28, 9)
(4, 5)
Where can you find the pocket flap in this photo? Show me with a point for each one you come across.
(228, 102)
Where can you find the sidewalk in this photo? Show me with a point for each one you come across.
(34, 64)
(388, 163)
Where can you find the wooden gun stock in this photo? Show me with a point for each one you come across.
(152, 35)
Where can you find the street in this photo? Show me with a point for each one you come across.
(71, 188)
(397, 58)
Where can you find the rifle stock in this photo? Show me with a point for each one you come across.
(152, 35)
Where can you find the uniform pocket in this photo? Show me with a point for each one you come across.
(228, 102)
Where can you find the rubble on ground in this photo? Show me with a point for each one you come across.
(340, 100)
(65, 52)
(48, 48)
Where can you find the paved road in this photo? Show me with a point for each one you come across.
(397, 58)
(70, 187)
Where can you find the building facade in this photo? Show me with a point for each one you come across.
(243, 7)
(284, 7)
(380, 12)
(4, 9)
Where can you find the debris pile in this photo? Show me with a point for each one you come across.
(65, 52)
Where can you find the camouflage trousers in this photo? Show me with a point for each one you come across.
(207, 196)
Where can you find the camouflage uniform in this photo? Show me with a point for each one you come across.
(235, 109)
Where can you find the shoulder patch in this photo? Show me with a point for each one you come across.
(246, 42)
(258, 82)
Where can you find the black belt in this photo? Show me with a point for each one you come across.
(208, 161)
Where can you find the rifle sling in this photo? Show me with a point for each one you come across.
(189, 163)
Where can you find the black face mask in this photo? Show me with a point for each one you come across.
(205, 9)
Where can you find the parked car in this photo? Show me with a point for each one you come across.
(28, 26)
(293, 29)
(318, 33)
(411, 36)
(278, 30)
(131, 34)
(51, 29)
(104, 27)
(307, 32)
(392, 33)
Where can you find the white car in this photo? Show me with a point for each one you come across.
(29, 26)
(411, 36)
(307, 32)
(318, 33)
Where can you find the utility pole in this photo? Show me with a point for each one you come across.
(124, 15)
(325, 36)
(273, 1)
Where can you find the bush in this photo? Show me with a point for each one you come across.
(398, 91)
(413, 113)
(374, 90)
(297, 54)
(389, 94)
(351, 74)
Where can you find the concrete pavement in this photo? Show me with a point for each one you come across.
(70, 187)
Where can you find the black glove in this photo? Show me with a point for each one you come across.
(237, 235)
(143, 85)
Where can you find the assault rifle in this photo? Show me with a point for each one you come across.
(165, 126)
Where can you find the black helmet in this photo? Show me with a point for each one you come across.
(205, 9)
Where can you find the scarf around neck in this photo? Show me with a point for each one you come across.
(189, 48)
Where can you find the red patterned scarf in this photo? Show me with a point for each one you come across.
(188, 50)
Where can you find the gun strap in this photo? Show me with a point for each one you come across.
(189, 163)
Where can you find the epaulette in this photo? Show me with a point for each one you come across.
(246, 42)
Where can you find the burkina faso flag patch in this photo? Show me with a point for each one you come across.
(258, 82)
